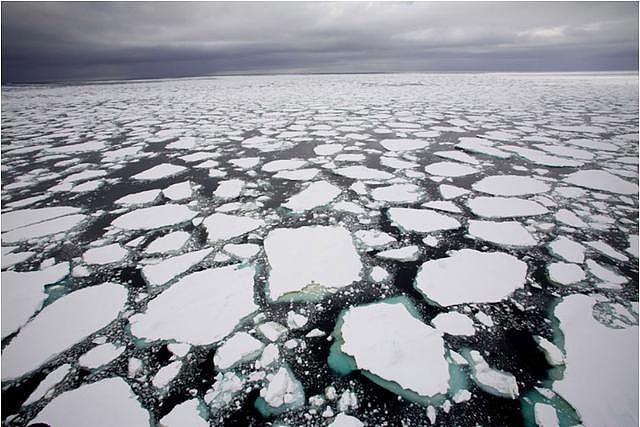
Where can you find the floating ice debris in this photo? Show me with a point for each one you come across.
(48, 384)
(173, 241)
(405, 193)
(395, 356)
(242, 250)
(23, 294)
(269, 355)
(545, 415)
(510, 185)
(421, 220)
(492, 381)
(283, 392)
(178, 191)
(607, 250)
(163, 170)
(568, 249)
(279, 165)
(105, 254)
(509, 233)
(164, 271)
(225, 388)
(316, 194)
(552, 353)
(201, 308)
(454, 323)
(442, 205)
(179, 349)
(240, 348)
(42, 229)
(373, 239)
(307, 174)
(451, 192)
(505, 207)
(344, 420)
(328, 149)
(564, 273)
(296, 320)
(229, 189)
(154, 217)
(223, 227)
(601, 180)
(272, 331)
(363, 172)
(605, 274)
(468, 276)
(184, 414)
(300, 257)
(60, 325)
(461, 396)
(100, 355)
(598, 358)
(166, 374)
(141, 198)
(406, 254)
(569, 218)
(633, 245)
(23, 217)
(450, 169)
(404, 144)
(457, 155)
(106, 403)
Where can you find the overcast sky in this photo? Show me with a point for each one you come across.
(78, 41)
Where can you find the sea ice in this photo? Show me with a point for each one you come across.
(510, 185)
(568, 249)
(421, 220)
(454, 323)
(163, 170)
(404, 193)
(505, 207)
(105, 254)
(184, 414)
(565, 273)
(100, 355)
(164, 271)
(171, 242)
(316, 194)
(449, 169)
(154, 217)
(241, 347)
(223, 227)
(509, 233)
(601, 180)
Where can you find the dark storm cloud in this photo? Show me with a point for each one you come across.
(61, 41)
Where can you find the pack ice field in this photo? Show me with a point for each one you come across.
(340, 250)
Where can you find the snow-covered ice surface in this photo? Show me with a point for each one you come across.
(196, 251)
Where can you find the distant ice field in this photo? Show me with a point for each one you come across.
(321, 250)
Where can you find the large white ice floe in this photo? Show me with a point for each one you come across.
(105, 254)
(184, 414)
(168, 243)
(601, 366)
(373, 239)
(450, 169)
(140, 198)
(45, 388)
(403, 193)
(469, 276)
(608, 250)
(178, 191)
(163, 170)
(505, 207)
(222, 226)
(395, 356)
(23, 294)
(508, 233)
(201, 308)
(344, 420)
(105, 403)
(404, 144)
(407, 253)
(564, 273)
(154, 217)
(42, 229)
(510, 185)
(241, 347)
(311, 255)
(60, 325)
(454, 323)
(316, 194)
(280, 165)
(23, 217)
(568, 249)
(601, 180)
(421, 220)
(229, 189)
(165, 270)
(491, 380)
(363, 172)
(100, 355)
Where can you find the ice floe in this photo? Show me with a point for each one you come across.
(154, 217)
(509, 233)
(421, 220)
(510, 185)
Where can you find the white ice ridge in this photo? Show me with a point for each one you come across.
(321, 255)
(60, 325)
(469, 276)
(200, 309)
(386, 340)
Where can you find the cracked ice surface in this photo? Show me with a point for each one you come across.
(234, 219)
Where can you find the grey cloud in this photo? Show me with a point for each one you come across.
(60, 41)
